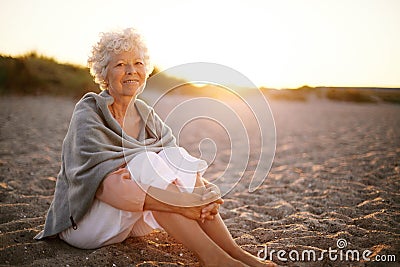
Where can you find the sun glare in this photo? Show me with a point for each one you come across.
(280, 44)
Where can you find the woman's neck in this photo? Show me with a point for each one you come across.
(118, 109)
(121, 109)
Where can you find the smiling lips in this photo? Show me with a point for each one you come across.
(130, 81)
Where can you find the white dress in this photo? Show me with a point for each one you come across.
(104, 225)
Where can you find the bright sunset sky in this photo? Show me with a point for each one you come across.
(280, 43)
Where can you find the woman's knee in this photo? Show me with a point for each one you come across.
(147, 156)
(149, 168)
(142, 161)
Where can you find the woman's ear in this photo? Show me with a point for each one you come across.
(105, 84)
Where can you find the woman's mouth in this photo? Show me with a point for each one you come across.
(131, 81)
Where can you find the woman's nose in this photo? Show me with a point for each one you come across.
(130, 69)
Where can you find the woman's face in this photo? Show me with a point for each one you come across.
(126, 74)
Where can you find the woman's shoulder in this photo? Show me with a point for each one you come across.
(91, 104)
(142, 104)
(92, 101)
(144, 108)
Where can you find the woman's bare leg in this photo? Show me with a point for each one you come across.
(191, 235)
(219, 233)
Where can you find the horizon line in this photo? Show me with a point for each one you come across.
(35, 53)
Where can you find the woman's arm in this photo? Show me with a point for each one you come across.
(119, 191)
(187, 204)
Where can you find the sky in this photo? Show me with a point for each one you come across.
(276, 44)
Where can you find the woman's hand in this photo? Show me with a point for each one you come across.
(193, 213)
(209, 212)
(201, 207)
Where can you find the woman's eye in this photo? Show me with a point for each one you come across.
(139, 63)
(120, 64)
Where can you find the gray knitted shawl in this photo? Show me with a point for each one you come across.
(95, 145)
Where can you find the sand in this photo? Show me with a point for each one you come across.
(336, 175)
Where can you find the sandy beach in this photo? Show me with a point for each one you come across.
(334, 184)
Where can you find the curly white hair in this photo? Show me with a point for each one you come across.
(115, 42)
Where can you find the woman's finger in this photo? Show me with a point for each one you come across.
(219, 201)
(210, 218)
(215, 210)
(211, 206)
(211, 195)
(211, 186)
(210, 210)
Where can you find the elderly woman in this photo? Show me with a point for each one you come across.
(118, 177)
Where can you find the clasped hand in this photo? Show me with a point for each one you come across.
(212, 192)
(202, 204)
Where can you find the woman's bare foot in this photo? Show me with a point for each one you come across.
(251, 260)
(222, 261)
